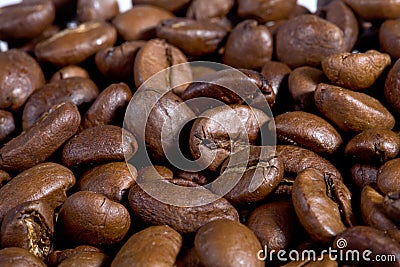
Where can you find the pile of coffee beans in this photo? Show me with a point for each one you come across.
(200, 133)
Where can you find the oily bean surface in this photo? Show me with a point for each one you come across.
(364, 174)
(91, 258)
(389, 34)
(392, 87)
(88, 10)
(389, 176)
(208, 9)
(276, 73)
(277, 10)
(68, 72)
(375, 10)
(11, 257)
(7, 124)
(57, 256)
(391, 206)
(165, 4)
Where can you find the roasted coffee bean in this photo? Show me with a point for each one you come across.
(116, 63)
(374, 145)
(140, 22)
(26, 19)
(196, 177)
(257, 171)
(230, 86)
(153, 246)
(157, 55)
(107, 106)
(88, 10)
(375, 10)
(388, 38)
(184, 219)
(112, 180)
(188, 258)
(275, 72)
(363, 174)
(274, 224)
(342, 16)
(355, 71)
(46, 181)
(309, 131)
(357, 111)
(88, 259)
(4, 178)
(72, 46)
(319, 202)
(193, 37)
(20, 76)
(57, 256)
(29, 225)
(68, 72)
(392, 86)
(208, 9)
(217, 244)
(265, 10)
(90, 218)
(374, 215)
(364, 238)
(299, 10)
(12, 257)
(211, 137)
(99, 144)
(391, 206)
(154, 172)
(297, 159)
(389, 176)
(307, 40)
(7, 125)
(173, 6)
(303, 82)
(250, 39)
(39, 142)
(77, 90)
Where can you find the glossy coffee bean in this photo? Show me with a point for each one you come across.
(363, 174)
(392, 87)
(57, 256)
(39, 142)
(357, 111)
(139, 22)
(388, 178)
(216, 244)
(88, 10)
(7, 125)
(20, 76)
(389, 36)
(391, 206)
(90, 258)
(307, 130)
(68, 72)
(373, 10)
(26, 20)
(72, 46)
(99, 144)
(173, 6)
(307, 40)
(196, 177)
(153, 246)
(265, 10)
(276, 73)
(208, 9)
(11, 257)
(47, 181)
(355, 71)
(29, 225)
(250, 39)
(154, 172)
(79, 91)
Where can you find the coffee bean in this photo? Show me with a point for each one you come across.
(79, 91)
(374, 145)
(372, 10)
(307, 40)
(392, 87)
(99, 144)
(196, 177)
(194, 38)
(139, 22)
(4, 178)
(217, 244)
(208, 9)
(112, 180)
(363, 174)
(68, 72)
(250, 39)
(10, 257)
(307, 130)
(355, 71)
(276, 73)
(265, 10)
(153, 246)
(7, 125)
(45, 181)
(154, 172)
(391, 206)
(26, 19)
(29, 225)
(188, 257)
(165, 4)
(88, 10)
(89, 258)
(72, 46)
(357, 111)
(90, 218)
(57, 256)
(388, 178)
(20, 76)
(388, 36)
(39, 142)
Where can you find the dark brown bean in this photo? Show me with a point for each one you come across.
(357, 111)
(29, 225)
(250, 39)
(20, 76)
(391, 206)
(140, 22)
(169, 5)
(79, 91)
(363, 174)
(88, 10)
(26, 19)
(99, 144)
(265, 10)
(375, 10)
(7, 125)
(72, 46)
(389, 34)
(107, 106)
(38, 143)
(196, 177)
(276, 72)
(90, 218)
(47, 181)
(68, 72)
(217, 244)
(12, 257)
(309, 131)
(4, 178)
(306, 40)
(389, 176)
(208, 9)
(153, 246)
(88, 259)
(392, 87)
(57, 256)
(112, 180)
(154, 172)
